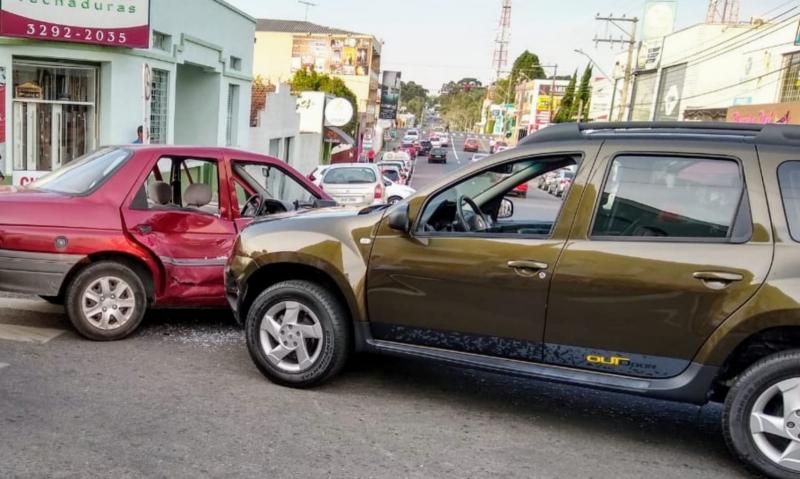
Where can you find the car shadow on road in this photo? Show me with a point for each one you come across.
(692, 430)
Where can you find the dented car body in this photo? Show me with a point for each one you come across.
(169, 214)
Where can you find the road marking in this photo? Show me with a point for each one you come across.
(31, 305)
(458, 161)
(28, 334)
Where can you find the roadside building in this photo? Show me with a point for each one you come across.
(709, 71)
(536, 104)
(284, 47)
(275, 126)
(78, 80)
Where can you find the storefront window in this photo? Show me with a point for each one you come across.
(53, 114)
(790, 90)
(159, 107)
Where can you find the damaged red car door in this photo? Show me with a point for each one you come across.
(181, 214)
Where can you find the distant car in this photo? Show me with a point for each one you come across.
(395, 192)
(425, 147)
(407, 142)
(560, 182)
(392, 171)
(316, 175)
(521, 190)
(436, 142)
(496, 146)
(411, 150)
(438, 155)
(444, 138)
(413, 134)
(356, 184)
(472, 144)
(124, 229)
(478, 157)
(400, 166)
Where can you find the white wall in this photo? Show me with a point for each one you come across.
(279, 120)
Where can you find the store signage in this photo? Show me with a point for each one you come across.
(124, 23)
(24, 178)
(338, 112)
(390, 95)
(780, 113)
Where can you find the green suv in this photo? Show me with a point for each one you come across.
(670, 269)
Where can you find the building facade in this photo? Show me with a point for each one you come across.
(705, 72)
(63, 99)
(284, 47)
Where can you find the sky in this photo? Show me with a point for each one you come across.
(436, 41)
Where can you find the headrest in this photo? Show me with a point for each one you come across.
(160, 193)
(197, 195)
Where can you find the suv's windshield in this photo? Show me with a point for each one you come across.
(85, 174)
(348, 176)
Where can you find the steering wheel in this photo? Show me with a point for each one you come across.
(477, 222)
(254, 203)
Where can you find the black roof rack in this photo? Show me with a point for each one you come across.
(765, 134)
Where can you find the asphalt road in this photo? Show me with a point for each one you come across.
(181, 398)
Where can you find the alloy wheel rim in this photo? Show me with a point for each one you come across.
(291, 336)
(108, 303)
(775, 424)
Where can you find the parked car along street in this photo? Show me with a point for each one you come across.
(354, 184)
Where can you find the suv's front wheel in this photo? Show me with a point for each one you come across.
(761, 420)
(298, 334)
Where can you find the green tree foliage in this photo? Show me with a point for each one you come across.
(565, 110)
(585, 93)
(309, 80)
(461, 105)
(526, 66)
(413, 98)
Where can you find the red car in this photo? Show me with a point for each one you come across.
(127, 228)
(472, 144)
(521, 190)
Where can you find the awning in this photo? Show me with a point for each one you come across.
(337, 135)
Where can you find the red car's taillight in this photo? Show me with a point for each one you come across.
(378, 191)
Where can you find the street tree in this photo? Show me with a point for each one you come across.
(309, 80)
(584, 94)
(526, 66)
(565, 110)
(413, 98)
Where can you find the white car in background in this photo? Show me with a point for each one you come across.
(396, 192)
(354, 184)
(316, 175)
(413, 133)
(444, 138)
(436, 142)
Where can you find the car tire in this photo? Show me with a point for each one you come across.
(326, 355)
(57, 300)
(752, 393)
(394, 199)
(122, 301)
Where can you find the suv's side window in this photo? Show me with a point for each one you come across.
(789, 179)
(519, 198)
(671, 197)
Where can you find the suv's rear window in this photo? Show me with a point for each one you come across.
(670, 197)
(350, 176)
(84, 175)
(789, 179)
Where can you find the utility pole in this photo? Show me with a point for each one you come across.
(628, 38)
(500, 55)
(308, 5)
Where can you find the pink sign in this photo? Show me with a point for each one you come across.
(120, 24)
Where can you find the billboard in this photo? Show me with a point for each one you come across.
(332, 55)
(780, 113)
(121, 24)
(390, 95)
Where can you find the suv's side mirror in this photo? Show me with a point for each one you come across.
(506, 209)
(399, 219)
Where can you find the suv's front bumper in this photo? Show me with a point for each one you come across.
(35, 273)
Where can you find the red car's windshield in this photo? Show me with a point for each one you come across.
(84, 175)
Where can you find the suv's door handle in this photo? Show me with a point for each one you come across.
(717, 280)
(145, 229)
(528, 265)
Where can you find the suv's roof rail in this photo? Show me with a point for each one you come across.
(773, 134)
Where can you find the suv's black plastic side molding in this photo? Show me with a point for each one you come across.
(692, 386)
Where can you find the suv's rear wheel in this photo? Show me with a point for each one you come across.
(106, 301)
(761, 420)
(298, 334)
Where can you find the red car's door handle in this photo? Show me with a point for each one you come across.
(144, 229)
